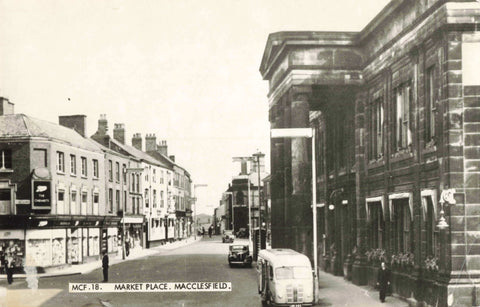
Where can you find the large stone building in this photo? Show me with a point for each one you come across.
(396, 111)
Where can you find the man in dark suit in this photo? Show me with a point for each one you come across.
(105, 266)
(383, 281)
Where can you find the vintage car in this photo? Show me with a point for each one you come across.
(228, 236)
(239, 254)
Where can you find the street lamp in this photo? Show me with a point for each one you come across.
(259, 155)
(305, 133)
(445, 197)
(195, 186)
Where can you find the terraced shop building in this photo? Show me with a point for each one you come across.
(52, 191)
(396, 111)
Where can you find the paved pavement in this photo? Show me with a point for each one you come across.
(90, 266)
(336, 291)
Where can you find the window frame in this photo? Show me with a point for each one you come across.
(61, 162)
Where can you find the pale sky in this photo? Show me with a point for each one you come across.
(186, 70)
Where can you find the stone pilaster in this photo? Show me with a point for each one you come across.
(358, 274)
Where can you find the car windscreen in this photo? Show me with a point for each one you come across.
(293, 272)
(238, 248)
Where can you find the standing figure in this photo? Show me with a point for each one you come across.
(203, 231)
(210, 229)
(383, 281)
(127, 247)
(105, 266)
(10, 254)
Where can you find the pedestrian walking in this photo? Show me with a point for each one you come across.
(127, 247)
(383, 281)
(203, 231)
(210, 229)
(105, 266)
(9, 268)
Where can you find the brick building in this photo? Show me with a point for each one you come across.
(52, 192)
(396, 110)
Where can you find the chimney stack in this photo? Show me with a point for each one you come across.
(137, 141)
(150, 142)
(163, 148)
(172, 158)
(119, 133)
(102, 125)
(6, 107)
(75, 122)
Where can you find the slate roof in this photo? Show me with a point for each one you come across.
(23, 126)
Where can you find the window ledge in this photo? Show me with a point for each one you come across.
(401, 155)
(95, 178)
(84, 177)
(6, 170)
(429, 148)
(60, 173)
(376, 163)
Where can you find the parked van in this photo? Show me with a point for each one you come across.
(285, 278)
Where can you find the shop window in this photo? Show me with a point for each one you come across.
(402, 136)
(60, 162)
(430, 107)
(84, 167)
(73, 165)
(39, 158)
(376, 129)
(95, 168)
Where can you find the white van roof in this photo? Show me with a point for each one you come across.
(279, 257)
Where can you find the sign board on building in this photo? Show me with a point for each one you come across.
(41, 191)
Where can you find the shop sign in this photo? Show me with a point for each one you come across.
(41, 195)
(88, 223)
(104, 240)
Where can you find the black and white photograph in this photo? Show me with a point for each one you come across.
(239, 153)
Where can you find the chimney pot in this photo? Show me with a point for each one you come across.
(137, 141)
(119, 132)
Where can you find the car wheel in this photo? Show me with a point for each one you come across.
(230, 264)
